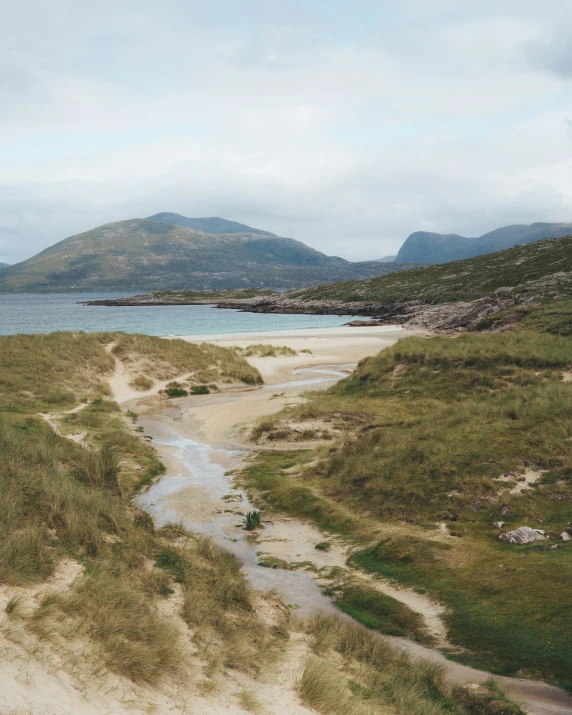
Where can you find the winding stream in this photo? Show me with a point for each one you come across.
(200, 493)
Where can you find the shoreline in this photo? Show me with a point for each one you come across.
(342, 331)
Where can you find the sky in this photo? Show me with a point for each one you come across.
(347, 125)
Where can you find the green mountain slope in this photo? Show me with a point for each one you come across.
(427, 247)
(213, 224)
(139, 254)
(457, 281)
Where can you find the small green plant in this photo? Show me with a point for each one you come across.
(252, 520)
(200, 390)
(14, 605)
(175, 389)
(323, 546)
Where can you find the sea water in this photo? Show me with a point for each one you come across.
(46, 313)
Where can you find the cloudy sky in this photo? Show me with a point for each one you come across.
(345, 124)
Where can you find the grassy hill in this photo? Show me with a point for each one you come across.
(464, 280)
(141, 254)
(427, 247)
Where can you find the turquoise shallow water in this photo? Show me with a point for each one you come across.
(45, 313)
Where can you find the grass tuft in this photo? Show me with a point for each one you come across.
(252, 520)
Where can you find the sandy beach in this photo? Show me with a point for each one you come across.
(327, 349)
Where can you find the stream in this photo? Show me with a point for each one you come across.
(199, 492)
(205, 472)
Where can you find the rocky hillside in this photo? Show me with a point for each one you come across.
(426, 247)
(4, 265)
(140, 254)
(493, 290)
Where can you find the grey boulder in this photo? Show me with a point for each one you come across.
(523, 535)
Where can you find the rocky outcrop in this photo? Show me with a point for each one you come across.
(498, 311)
(523, 535)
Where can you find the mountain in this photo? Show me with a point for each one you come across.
(208, 225)
(4, 265)
(426, 247)
(140, 254)
(386, 259)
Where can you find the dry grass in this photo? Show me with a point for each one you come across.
(109, 606)
(218, 607)
(325, 689)
(264, 350)
(43, 373)
(248, 700)
(353, 671)
(170, 359)
(141, 383)
(55, 371)
(60, 499)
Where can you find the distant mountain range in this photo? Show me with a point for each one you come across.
(166, 252)
(426, 247)
(214, 224)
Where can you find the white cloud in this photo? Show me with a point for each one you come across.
(346, 125)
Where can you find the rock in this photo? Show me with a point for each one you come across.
(523, 535)
(504, 511)
(365, 323)
(498, 524)
(565, 536)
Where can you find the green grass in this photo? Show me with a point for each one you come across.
(266, 477)
(381, 613)
(506, 625)
(252, 520)
(186, 296)
(551, 317)
(430, 426)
